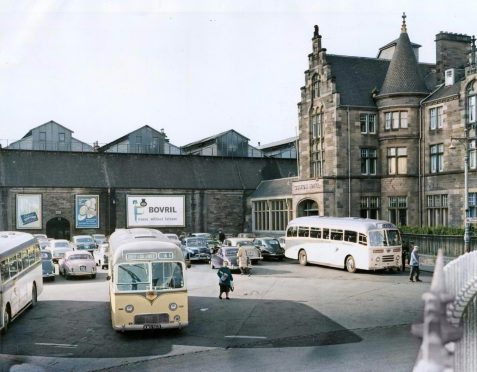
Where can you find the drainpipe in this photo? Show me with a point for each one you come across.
(349, 164)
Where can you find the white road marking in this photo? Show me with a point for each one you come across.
(67, 346)
(260, 337)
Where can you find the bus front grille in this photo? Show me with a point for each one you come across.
(151, 319)
(388, 258)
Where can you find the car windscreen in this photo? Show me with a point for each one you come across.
(273, 243)
(196, 242)
(84, 240)
(231, 252)
(61, 244)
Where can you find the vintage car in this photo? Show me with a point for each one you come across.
(174, 238)
(253, 253)
(99, 239)
(83, 242)
(58, 248)
(195, 249)
(270, 248)
(213, 245)
(228, 254)
(77, 263)
(47, 265)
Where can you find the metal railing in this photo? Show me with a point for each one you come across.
(449, 329)
(452, 246)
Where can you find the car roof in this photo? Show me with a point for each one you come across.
(72, 253)
(82, 236)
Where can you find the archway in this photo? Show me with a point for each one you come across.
(307, 207)
(58, 228)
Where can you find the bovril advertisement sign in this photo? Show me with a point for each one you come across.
(155, 211)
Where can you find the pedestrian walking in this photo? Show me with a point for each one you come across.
(414, 263)
(243, 260)
(225, 280)
(405, 254)
(221, 236)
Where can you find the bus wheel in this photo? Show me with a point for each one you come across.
(6, 320)
(350, 264)
(34, 296)
(302, 258)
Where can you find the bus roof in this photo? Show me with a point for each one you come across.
(345, 223)
(141, 240)
(9, 240)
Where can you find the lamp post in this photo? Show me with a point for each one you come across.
(464, 141)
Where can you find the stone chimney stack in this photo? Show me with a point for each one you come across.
(452, 51)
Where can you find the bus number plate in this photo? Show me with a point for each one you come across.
(152, 326)
(82, 268)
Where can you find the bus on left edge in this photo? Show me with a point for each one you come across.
(21, 279)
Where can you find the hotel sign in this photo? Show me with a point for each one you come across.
(307, 187)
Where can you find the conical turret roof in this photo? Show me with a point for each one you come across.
(403, 74)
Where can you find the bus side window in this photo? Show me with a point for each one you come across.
(13, 268)
(315, 232)
(290, 231)
(25, 260)
(4, 270)
(336, 234)
(326, 233)
(362, 239)
(350, 236)
(303, 232)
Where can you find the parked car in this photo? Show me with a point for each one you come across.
(43, 243)
(246, 235)
(253, 253)
(47, 265)
(202, 235)
(196, 249)
(213, 245)
(83, 242)
(58, 248)
(228, 254)
(99, 239)
(270, 248)
(281, 240)
(174, 238)
(77, 263)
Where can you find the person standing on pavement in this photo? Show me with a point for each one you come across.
(414, 263)
(225, 280)
(221, 236)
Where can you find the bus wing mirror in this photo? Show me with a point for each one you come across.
(108, 278)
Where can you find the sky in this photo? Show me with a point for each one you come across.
(195, 68)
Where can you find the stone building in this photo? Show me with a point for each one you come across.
(375, 134)
(385, 137)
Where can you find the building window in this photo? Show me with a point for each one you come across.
(397, 160)
(368, 123)
(437, 210)
(316, 146)
(369, 207)
(315, 86)
(272, 215)
(61, 137)
(42, 136)
(471, 104)
(472, 155)
(397, 208)
(395, 120)
(472, 204)
(435, 118)
(368, 161)
(437, 156)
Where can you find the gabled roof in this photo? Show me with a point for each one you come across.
(125, 137)
(48, 122)
(403, 75)
(211, 138)
(356, 77)
(278, 143)
(444, 92)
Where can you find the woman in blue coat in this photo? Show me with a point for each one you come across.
(225, 280)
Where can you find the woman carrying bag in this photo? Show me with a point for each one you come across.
(225, 280)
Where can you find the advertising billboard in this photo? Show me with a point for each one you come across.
(87, 211)
(28, 211)
(155, 210)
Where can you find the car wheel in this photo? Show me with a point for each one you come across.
(350, 264)
(34, 296)
(6, 320)
(302, 258)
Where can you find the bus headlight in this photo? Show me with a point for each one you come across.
(129, 308)
(378, 259)
(173, 306)
(177, 318)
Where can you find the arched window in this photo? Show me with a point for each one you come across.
(307, 207)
